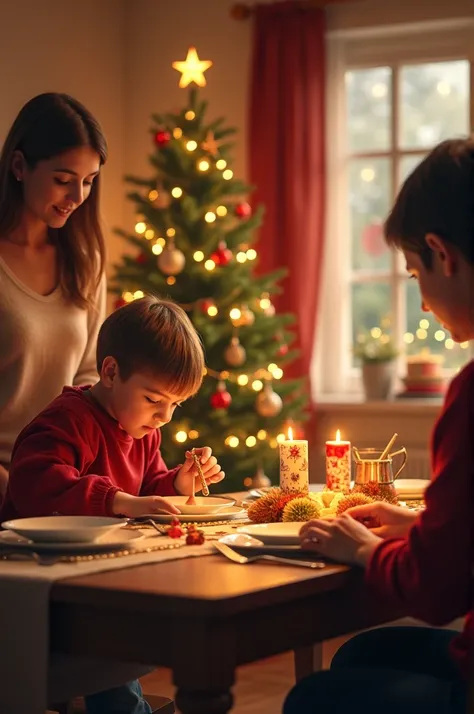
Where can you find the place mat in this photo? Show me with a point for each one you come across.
(24, 616)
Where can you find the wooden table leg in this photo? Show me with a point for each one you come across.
(308, 660)
(204, 683)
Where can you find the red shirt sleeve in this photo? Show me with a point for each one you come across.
(47, 470)
(428, 574)
(158, 480)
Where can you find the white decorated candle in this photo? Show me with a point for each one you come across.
(338, 464)
(294, 474)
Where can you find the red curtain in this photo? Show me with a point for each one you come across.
(287, 133)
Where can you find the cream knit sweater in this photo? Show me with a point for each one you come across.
(45, 344)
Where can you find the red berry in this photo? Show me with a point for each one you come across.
(175, 532)
(175, 521)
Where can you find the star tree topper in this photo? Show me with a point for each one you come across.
(192, 69)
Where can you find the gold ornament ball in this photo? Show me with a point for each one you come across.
(171, 261)
(268, 403)
(235, 354)
(246, 319)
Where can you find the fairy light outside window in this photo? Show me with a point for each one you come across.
(398, 96)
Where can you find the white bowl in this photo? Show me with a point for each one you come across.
(274, 533)
(202, 506)
(63, 529)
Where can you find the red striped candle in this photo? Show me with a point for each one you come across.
(338, 464)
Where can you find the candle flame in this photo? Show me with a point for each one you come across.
(290, 434)
(338, 436)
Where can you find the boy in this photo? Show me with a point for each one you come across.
(95, 450)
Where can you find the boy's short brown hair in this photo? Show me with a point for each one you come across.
(154, 335)
(437, 197)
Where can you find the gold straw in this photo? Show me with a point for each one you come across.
(386, 451)
(205, 490)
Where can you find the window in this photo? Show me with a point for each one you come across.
(394, 115)
(392, 94)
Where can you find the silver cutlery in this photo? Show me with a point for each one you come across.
(40, 558)
(244, 560)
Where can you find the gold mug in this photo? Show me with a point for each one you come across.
(369, 466)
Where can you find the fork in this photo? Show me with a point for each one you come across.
(39, 558)
(244, 560)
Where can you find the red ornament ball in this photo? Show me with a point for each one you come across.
(221, 399)
(282, 350)
(243, 210)
(120, 302)
(162, 138)
(222, 255)
(205, 305)
(141, 258)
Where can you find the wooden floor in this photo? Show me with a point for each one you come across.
(260, 688)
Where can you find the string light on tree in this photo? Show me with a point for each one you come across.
(246, 318)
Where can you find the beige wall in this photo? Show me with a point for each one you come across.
(55, 46)
(115, 56)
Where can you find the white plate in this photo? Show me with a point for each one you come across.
(115, 540)
(229, 513)
(411, 487)
(274, 533)
(204, 504)
(62, 529)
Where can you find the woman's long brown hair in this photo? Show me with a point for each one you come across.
(47, 126)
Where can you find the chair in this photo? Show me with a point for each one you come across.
(73, 677)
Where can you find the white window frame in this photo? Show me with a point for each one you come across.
(393, 46)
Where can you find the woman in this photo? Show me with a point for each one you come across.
(52, 285)
(420, 562)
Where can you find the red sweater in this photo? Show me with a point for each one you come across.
(74, 457)
(429, 574)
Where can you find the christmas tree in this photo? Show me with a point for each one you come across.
(194, 234)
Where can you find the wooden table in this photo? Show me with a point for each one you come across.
(203, 617)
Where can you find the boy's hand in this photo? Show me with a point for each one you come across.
(135, 506)
(188, 472)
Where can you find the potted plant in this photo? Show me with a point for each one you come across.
(376, 352)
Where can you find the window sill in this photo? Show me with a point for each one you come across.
(351, 404)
